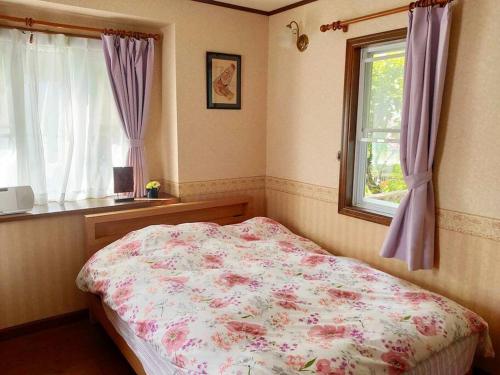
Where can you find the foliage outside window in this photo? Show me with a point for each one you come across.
(371, 180)
(378, 179)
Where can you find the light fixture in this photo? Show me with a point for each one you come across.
(302, 39)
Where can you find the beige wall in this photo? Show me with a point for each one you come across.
(210, 144)
(40, 258)
(467, 269)
(305, 93)
(292, 102)
(304, 125)
(39, 263)
(200, 153)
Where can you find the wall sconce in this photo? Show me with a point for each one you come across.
(302, 40)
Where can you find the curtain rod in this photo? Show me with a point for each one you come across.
(344, 25)
(30, 22)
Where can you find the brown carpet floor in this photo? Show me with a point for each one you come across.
(79, 348)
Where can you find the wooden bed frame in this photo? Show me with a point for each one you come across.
(102, 229)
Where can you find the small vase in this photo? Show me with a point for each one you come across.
(152, 193)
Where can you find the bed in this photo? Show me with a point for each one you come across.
(222, 293)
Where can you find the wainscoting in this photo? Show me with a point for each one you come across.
(40, 258)
(468, 246)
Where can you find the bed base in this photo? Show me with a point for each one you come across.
(102, 229)
(97, 314)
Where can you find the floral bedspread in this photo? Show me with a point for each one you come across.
(254, 298)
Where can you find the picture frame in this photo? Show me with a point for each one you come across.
(223, 81)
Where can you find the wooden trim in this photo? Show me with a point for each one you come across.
(291, 6)
(351, 88)
(38, 325)
(102, 229)
(85, 206)
(360, 213)
(97, 313)
(232, 6)
(253, 10)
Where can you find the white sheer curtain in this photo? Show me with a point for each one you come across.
(59, 127)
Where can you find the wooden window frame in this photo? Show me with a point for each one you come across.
(350, 117)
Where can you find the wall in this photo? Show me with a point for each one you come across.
(191, 143)
(197, 153)
(40, 258)
(212, 144)
(304, 125)
(153, 144)
(40, 261)
(202, 153)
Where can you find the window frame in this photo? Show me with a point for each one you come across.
(347, 174)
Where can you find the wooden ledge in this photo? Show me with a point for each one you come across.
(87, 206)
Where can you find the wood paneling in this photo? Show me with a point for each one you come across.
(467, 270)
(102, 229)
(40, 258)
(39, 261)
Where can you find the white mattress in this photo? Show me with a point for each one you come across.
(454, 360)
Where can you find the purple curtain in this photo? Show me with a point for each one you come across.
(411, 234)
(130, 70)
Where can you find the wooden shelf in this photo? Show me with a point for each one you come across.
(87, 206)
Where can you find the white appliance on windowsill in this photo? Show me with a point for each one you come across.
(15, 200)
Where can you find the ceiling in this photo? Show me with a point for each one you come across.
(264, 5)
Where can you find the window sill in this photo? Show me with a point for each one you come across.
(87, 206)
(360, 213)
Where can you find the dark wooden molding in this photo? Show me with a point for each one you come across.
(232, 6)
(38, 325)
(253, 10)
(351, 88)
(360, 213)
(291, 6)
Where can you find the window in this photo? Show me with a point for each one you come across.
(372, 183)
(59, 127)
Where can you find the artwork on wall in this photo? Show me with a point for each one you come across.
(223, 81)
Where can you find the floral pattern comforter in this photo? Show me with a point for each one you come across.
(254, 298)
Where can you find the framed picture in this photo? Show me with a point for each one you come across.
(223, 81)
